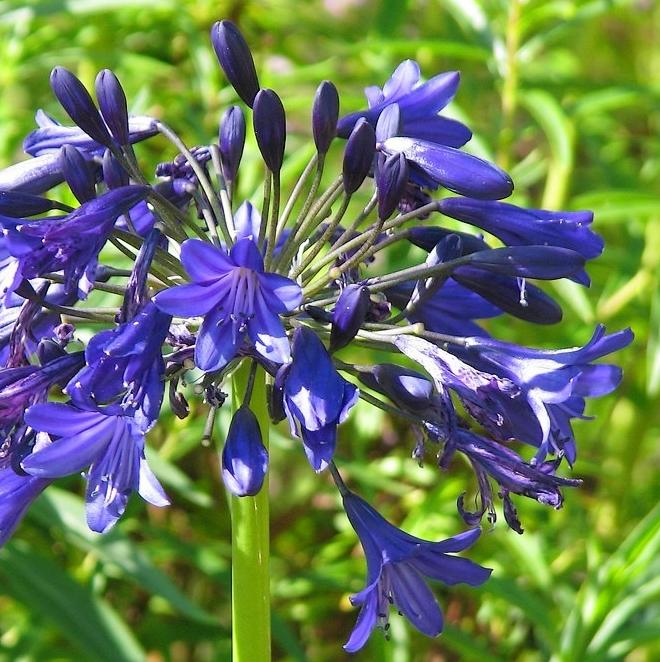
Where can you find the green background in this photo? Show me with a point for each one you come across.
(564, 95)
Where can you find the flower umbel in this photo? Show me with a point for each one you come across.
(302, 291)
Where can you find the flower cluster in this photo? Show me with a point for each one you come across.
(217, 282)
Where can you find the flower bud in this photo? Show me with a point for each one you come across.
(391, 180)
(112, 102)
(232, 141)
(349, 314)
(18, 205)
(114, 175)
(244, 457)
(270, 128)
(358, 156)
(325, 113)
(78, 173)
(235, 59)
(77, 102)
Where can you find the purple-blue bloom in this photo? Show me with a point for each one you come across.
(316, 397)
(397, 565)
(106, 440)
(419, 105)
(517, 226)
(71, 243)
(237, 298)
(553, 382)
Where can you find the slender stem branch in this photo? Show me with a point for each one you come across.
(272, 224)
(265, 207)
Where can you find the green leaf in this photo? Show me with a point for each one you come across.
(86, 620)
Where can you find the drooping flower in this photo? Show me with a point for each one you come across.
(397, 565)
(315, 397)
(70, 243)
(512, 474)
(110, 443)
(237, 298)
(554, 382)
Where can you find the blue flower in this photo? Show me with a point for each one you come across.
(71, 243)
(517, 226)
(315, 397)
(126, 364)
(237, 298)
(397, 564)
(419, 105)
(110, 443)
(554, 382)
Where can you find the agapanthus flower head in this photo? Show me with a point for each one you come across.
(397, 565)
(290, 288)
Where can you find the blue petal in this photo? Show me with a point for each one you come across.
(60, 419)
(191, 300)
(414, 598)
(282, 294)
(217, 342)
(246, 254)
(455, 170)
(267, 333)
(450, 569)
(366, 622)
(247, 221)
(204, 261)
(71, 454)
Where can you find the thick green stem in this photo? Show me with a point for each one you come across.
(250, 577)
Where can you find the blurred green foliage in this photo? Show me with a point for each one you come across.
(564, 94)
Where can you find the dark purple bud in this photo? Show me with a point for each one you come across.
(389, 123)
(77, 102)
(18, 205)
(511, 514)
(232, 141)
(112, 102)
(391, 180)
(114, 175)
(325, 114)
(235, 59)
(358, 156)
(78, 173)
(349, 314)
(270, 128)
(244, 456)
(427, 238)
(543, 262)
